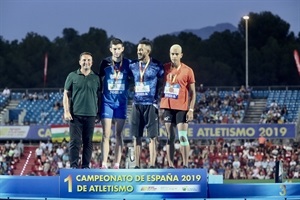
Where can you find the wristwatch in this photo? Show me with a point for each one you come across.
(191, 109)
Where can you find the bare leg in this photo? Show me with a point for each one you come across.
(185, 154)
(119, 141)
(137, 151)
(170, 128)
(106, 123)
(153, 151)
(185, 150)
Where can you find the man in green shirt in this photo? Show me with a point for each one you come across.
(81, 100)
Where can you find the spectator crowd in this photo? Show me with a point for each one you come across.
(224, 107)
(234, 159)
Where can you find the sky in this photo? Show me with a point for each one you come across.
(131, 20)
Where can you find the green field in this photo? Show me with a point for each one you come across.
(259, 181)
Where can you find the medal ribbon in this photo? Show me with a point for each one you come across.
(117, 70)
(142, 71)
(173, 77)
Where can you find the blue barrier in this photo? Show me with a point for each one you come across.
(195, 131)
(126, 184)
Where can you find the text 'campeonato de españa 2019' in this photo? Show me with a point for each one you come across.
(127, 178)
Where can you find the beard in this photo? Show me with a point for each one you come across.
(141, 57)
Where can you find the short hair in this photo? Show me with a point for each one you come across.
(147, 43)
(85, 53)
(176, 46)
(115, 41)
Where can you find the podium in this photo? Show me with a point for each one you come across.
(110, 184)
(142, 184)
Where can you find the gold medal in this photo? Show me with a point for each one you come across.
(171, 89)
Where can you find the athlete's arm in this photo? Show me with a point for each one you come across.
(99, 93)
(192, 93)
(160, 86)
(101, 73)
(66, 104)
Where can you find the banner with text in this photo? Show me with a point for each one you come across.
(123, 183)
(60, 187)
(232, 131)
(32, 132)
(59, 133)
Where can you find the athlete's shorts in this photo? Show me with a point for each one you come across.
(110, 112)
(144, 116)
(174, 116)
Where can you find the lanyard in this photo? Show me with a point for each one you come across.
(117, 70)
(142, 71)
(172, 77)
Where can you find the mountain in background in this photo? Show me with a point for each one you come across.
(206, 32)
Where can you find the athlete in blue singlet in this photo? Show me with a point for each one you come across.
(114, 74)
(148, 74)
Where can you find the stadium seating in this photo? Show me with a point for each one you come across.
(289, 98)
(43, 111)
(260, 94)
(3, 101)
(52, 115)
(16, 95)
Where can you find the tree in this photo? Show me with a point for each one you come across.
(217, 61)
(269, 43)
(263, 26)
